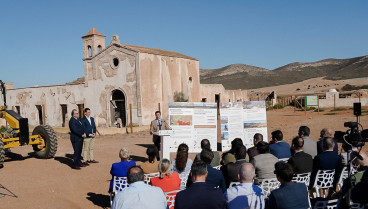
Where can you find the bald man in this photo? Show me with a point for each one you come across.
(245, 194)
(326, 132)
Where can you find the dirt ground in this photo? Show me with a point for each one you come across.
(52, 183)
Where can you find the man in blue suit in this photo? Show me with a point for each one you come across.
(215, 178)
(77, 135)
(278, 147)
(289, 195)
(90, 130)
(200, 194)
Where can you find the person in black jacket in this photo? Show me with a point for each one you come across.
(301, 161)
(200, 194)
(77, 135)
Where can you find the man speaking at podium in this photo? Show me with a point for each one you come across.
(156, 125)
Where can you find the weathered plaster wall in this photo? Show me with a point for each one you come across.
(209, 91)
(50, 97)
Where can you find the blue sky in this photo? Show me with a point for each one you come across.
(41, 40)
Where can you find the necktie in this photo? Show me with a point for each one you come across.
(159, 124)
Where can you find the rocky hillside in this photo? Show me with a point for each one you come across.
(240, 76)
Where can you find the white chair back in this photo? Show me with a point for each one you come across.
(217, 167)
(324, 180)
(326, 204)
(119, 184)
(302, 178)
(268, 185)
(233, 183)
(183, 179)
(170, 197)
(148, 176)
(284, 159)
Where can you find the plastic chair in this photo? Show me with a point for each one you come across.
(148, 176)
(170, 197)
(217, 167)
(284, 159)
(233, 183)
(268, 185)
(327, 204)
(344, 175)
(302, 178)
(119, 184)
(324, 180)
(183, 179)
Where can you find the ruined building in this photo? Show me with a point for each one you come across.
(116, 77)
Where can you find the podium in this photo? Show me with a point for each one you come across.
(164, 135)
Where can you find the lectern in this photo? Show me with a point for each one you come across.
(165, 135)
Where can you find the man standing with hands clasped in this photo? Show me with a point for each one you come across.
(77, 135)
(156, 125)
(90, 130)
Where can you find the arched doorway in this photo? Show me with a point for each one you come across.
(118, 113)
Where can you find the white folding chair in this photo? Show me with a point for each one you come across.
(119, 184)
(183, 179)
(344, 175)
(358, 206)
(324, 180)
(284, 159)
(217, 167)
(170, 197)
(233, 183)
(268, 185)
(326, 204)
(302, 178)
(148, 176)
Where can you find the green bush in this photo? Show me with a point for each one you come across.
(338, 109)
(321, 110)
(330, 113)
(179, 97)
(278, 106)
(2, 129)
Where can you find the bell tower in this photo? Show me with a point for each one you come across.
(93, 43)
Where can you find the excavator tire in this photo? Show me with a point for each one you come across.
(49, 136)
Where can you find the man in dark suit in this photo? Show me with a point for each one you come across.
(301, 161)
(253, 150)
(278, 147)
(326, 132)
(290, 194)
(327, 160)
(200, 194)
(90, 130)
(215, 177)
(231, 170)
(77, 135)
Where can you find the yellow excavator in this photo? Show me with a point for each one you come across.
(16, 133)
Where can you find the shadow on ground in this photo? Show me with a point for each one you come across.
(145, 145)
(138, 158)
(100, 200)
(11, 156)
(67, 160)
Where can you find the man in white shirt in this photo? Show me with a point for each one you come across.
(139, 195)
(245, 194)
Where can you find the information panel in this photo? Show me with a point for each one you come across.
(191, 122)
(242, 120)
(311, 100)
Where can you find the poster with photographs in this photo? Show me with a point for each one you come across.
(191, 122)
(242, 120)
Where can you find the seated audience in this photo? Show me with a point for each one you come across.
(278, 147)
(120, 169)
(245, 194)
(264, 162)
(200, 195)
(327, 160)
(215, 177)
(167, 181)
(289, 195)
(182, 163)
(326, 132)
(253, 150)
(231, 170)
(139, 194)
(205, 143)
(310, 146)
(301, 161)
(151, 166)
(228, 157)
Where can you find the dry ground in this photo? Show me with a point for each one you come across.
(53, 184)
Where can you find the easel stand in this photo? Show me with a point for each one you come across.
(3, 195)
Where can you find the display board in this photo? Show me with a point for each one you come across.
(311, 100)
(191, 122)
(242, 120)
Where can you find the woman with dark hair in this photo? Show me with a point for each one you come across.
(182, 163)
(151, 166)
(229, 156)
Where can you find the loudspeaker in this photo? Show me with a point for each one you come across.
(357, 109)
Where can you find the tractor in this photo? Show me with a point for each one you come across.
(16, 133)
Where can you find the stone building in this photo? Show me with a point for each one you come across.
(116, 77)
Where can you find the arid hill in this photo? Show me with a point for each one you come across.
(240, 76)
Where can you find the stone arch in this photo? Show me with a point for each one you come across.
(118, 101)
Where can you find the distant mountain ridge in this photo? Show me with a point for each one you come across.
(241, 76)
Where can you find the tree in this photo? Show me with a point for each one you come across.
(179, 97)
